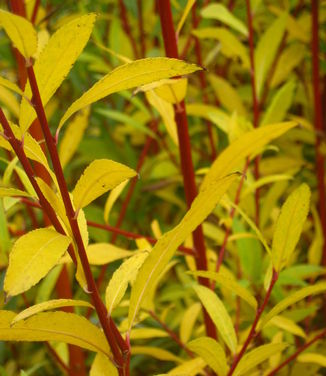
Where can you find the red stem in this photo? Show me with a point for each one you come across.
(171, 50)
(126, 27)
(298, 352)
(70, 212)
(252, 332)
(35, 10)
(141, 27)
(318, 122)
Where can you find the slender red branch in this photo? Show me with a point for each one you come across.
(171, 50)
(255, 100)
(252, 332)
(141, 27)
(320, 166)
(35, 10)
(298, 352)
(70, 212)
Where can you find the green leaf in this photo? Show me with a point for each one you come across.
(99, 177)
(219, 315)
(212, 352)
(49, 305)
(55, 62)
(231, 284)
(266, 50)
(291, 299)
(54, 326)
(32, 257)
(127, 76)
(289, 226)
(21, 33)
(221, 13)
(257, 356)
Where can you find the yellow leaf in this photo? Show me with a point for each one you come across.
(188, 321)
(32, 257)
(227, 95)
(210, 113)
(266, 50)
(221, 13)
(127, 76)
(118, 284)
(9, 101)
(145, 333)
(288, 325)
(54, 326)
(55, 62)
(212, 352)
(166, 246)
(112, 198)
(49, 305)
(257, 356)
(10, 85)
(316, 247)
(11, 192)
(99, 177)
(191, 367)
(312, 358)
(21, 33)
(230, 45)
(289, 226)
(185, 13)
(156, 352)
(166, 111)
(102, 366)
(72, 137)
(219, 315)
(291, 299)
(174, 91)
(229, 283)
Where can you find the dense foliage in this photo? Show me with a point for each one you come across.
(162, 192)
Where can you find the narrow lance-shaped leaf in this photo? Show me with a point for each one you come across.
(257, 356)
(289, 226)
(219, 315)
(292, 299)
(55, 62)
(215, 184)
(212, 352)
(99, 177)
(127, 76)
(32, 257)
(49, 305)
(167, 245)
(21, 33)
(54, 326)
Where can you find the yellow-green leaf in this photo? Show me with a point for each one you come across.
(145, 333)
(219, 315)
(55, 62)
(289, 226)
(231, 284)
(49, 305)
(221, 13)
(230, 45)
(127, 76)
(188, 321)
(112, 198)
(174, 91)
(210, 113)
(12, 192)
(99, 177)
(21, 33)
(291, 299)
(156, 352)
(102, 366)
(54, 326)
(10, 85)
(118, 284)
(185, 13)
(166, 246)
(288, 325)
(312, 358)
(72, 137)
(212, 352)
(191, 367)
(257, 356)
(266, 50)
(32, 257)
